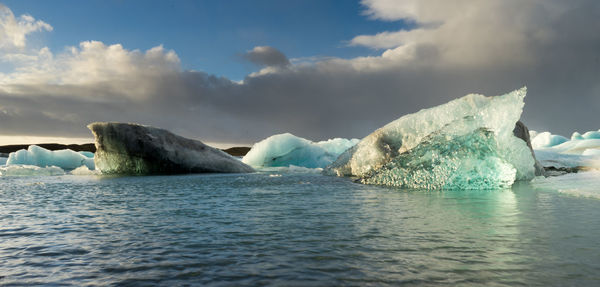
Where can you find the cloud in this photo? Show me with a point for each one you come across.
(488, 47)
(13, 31)
(266, 56)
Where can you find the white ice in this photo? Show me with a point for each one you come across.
(466, 143)
(41, 157)
(84, 170)
(584, 184)
(545, 139)
(30, 170)
(284, 150)
(557, 151)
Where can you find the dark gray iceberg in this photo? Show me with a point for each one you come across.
(123, 148)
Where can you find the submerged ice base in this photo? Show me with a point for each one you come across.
(443, 161)
(285, 150)
(41, 157)
(135, 149)
(467, 143)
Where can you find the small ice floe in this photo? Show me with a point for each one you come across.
(41, 157)
(84, 170)
(584, 184)
(30, 170)
(285, 150)
(560, 155)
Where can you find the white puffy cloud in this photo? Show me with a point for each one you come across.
(92, 63)
(13, 31)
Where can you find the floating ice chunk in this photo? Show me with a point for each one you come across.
(533, 134)
(445, 161)
(135, 149)
(3, 160)
(571, 156)
(592, 152)
(578, 145)
(586, 136)
(546, 139)
(581, 152)
(591, 135)
(30, 170)
(84, 170)
(287, 149)
(38, 156)
(466, 143)
(576, 136)
(583, 184)
(291, 169)
(550, 158)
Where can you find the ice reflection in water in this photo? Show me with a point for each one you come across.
(293, 229)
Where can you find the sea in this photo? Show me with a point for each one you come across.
(289, 229)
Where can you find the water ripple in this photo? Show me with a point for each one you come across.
(288, 230)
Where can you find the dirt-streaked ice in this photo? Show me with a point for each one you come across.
(123, 148)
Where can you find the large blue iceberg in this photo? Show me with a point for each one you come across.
(467, 143)
(285, 150)
(41, 157)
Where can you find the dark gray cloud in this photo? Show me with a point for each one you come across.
(557, 56)
(266, 56)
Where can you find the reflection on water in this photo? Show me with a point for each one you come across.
(293, 229)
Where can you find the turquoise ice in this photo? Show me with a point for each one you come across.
(284, 150)
(467, 143)
(581, 151)
(41, 157)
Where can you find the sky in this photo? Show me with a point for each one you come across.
(234, 72)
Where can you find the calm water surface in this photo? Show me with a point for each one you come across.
(289, 230)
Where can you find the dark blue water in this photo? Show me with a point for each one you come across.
(289, 230)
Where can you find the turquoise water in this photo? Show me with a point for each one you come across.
(289, 230)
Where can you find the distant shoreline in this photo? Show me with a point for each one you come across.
(90, 147)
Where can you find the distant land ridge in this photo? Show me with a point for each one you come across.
(6, 149)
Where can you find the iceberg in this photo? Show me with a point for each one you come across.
(123, 148)
(41, 157)
(467, 143)
(546, 139)
(567, 155)
(588, 143)
(285, 150)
